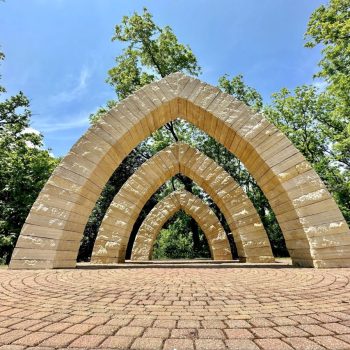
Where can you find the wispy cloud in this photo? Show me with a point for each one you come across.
(68, 122)
(74, 92)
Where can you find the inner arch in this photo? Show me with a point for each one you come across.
(249, 234)
(191, 205)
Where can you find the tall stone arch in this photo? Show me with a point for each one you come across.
(191, 205)
(249, 234)
(315, 231)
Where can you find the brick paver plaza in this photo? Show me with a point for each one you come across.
(175, 308)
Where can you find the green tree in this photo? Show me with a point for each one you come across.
(305, 117)
(24, 168)
(237, 88)
(329, 26)
(151, 52)
(175, 240)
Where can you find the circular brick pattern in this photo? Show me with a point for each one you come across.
(181, 308)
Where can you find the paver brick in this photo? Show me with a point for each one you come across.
(56, 327)
(237, 324)
(315, 330)
(344, 337)
(59, 340)
(11, 336)
(240, 344)
(104, 330)
(238, 333)
(87, 341)
(265, 332)
(79, 328)
(289, 295)
(303, 344)
(25, 324)
(130, 331)
(156, 333)
(336, 328)
(291, 331)
(210, 344)
(117, 342)
(261, 322)
(33, 339)
(141, 322)
(164, 324)
(188, 324)
(13, 347)
(283, 321)
(211, 333)
(213, 324)
(184, 333)
(178, 344)
(147, 344)
(331, 343)
(273, 343)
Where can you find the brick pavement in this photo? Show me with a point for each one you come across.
(177, 308)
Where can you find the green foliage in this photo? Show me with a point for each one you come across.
(329, 26)
(305, 116)
(123, 172)
(24, 168)
(236, 87)
(176, 241)
(152, 52)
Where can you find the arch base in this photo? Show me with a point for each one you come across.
(257, 259)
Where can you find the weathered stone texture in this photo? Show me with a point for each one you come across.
(193, 206)
(249, 234)
(280, 170)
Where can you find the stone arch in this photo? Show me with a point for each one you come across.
(315, 231)
(249, 234)
(191, 205)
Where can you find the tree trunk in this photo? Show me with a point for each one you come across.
(193, 224)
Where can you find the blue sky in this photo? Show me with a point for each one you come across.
(58, 51)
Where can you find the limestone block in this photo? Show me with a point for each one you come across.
(67, 185)
(51, 233)
(335, 240)
(43, 243)
(63, 194)
(340, 262)
(96, 149)
(52, 212)
(54, 222)
(42, 254)
(86, 168)
(307, 210)
(77, 179)
(190, 86)
(31, 264)
(56, 202)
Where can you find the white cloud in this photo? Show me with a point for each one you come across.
(75, 121)
(73, 93)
